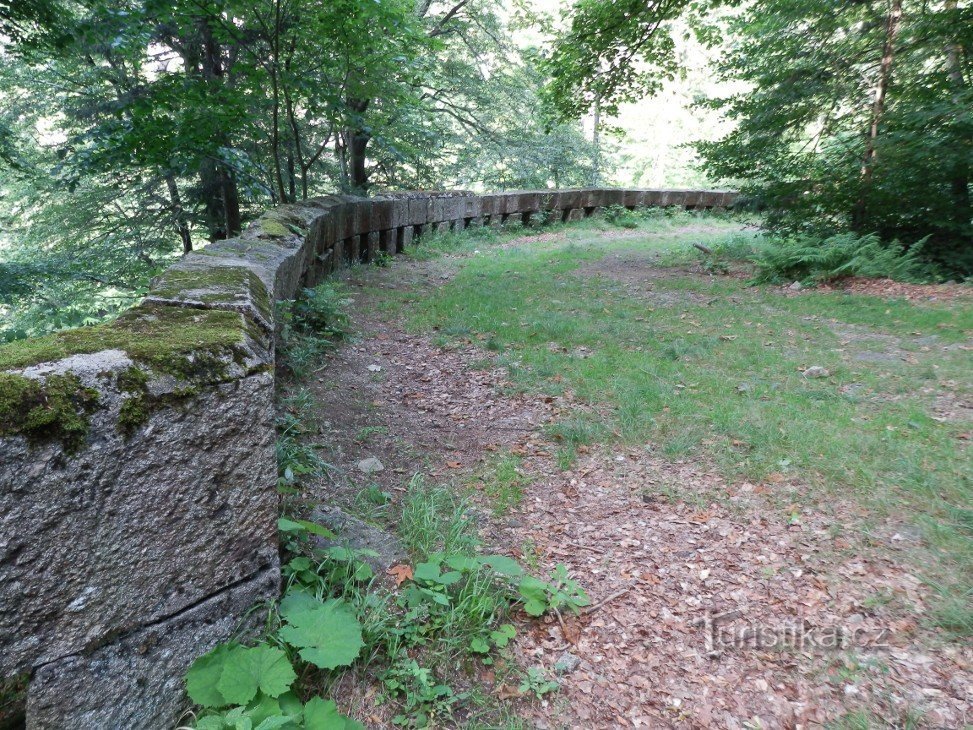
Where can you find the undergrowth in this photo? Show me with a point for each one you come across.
(451, 608)
(309, 326)
(810, 259)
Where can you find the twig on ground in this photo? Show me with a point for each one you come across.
(591, 609)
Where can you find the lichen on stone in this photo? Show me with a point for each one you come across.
(57, 407)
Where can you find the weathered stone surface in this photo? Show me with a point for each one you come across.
(132, 526)
(351, 532)
(372, 241)
(210, 282)
(137, 681)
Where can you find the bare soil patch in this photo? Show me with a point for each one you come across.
(659, 546)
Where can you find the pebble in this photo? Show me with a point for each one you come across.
(566, 663)
(816, 371)
(371, 465)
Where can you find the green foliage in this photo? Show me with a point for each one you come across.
(535, 682)
(806, 258)
(454, 609)
(621, 217)
(424, 700)
(238, 684)
(327, 634)
(616, 51)
(112, 162)
(310, 325)
(822, 152)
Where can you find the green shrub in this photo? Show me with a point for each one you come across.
(321, 310)
(620, 216)
(806, 258)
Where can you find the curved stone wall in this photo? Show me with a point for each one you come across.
(138, 506)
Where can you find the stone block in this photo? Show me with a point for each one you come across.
(136, 681)
(372, 241)
(381, 215)
(164, 493)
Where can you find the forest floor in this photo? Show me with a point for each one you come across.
(762, 548)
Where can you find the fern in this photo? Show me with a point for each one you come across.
(843, 255)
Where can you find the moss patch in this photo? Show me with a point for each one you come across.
(272, 228)
(13, 702)
(57, 407)
(215, 285)
(140, 403)
(180, 341)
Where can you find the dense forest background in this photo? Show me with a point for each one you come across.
(132, 131)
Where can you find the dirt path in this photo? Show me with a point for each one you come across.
(660, 546)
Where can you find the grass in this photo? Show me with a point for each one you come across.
(707, 367)
(503, 482)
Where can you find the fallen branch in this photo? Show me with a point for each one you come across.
(612, 597)
(704, 249)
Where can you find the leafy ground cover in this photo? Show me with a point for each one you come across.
(610, 409)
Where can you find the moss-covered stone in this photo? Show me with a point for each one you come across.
(214, 285)
(272, 228)
(55, 408)
(175, 340)
(133, 413)
(13, 702)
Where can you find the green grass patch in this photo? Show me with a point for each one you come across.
(701, 366)
(503, 482)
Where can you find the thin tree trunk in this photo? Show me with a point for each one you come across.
(960, 173)
(892, 23)
(275, 109)
(596, 141)
(178, 214)
(356, 146)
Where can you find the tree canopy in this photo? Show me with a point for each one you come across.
(136, 130)
(132, 131)
(851, 116)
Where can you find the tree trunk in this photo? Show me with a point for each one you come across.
(596, 141)
(357, 140)
(220, 194)
(221, 200)
(892, 23)
(178, 214)
(960, 172)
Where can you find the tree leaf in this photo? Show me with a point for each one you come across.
(327, 634)
(322, 714)
(503, 565)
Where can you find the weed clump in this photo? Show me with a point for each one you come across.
(310, 325)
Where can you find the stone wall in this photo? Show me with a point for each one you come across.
(138, 505)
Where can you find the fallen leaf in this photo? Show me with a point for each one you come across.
(508, 692)
(401, 573)
(454, 464)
